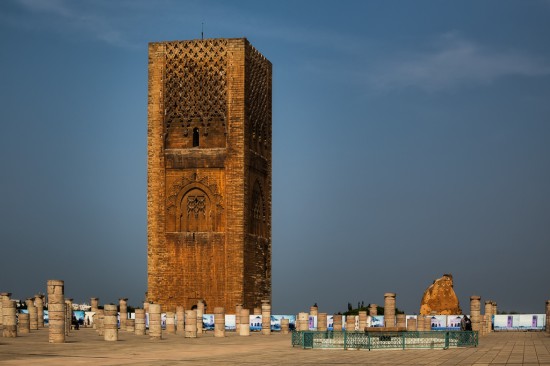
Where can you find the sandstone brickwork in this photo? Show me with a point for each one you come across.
(440, 298)
(209, 174)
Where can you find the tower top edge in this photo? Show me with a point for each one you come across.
(199, 40)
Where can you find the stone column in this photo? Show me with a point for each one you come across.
(56, 311)
(170, 322)
(180, 322)
(303, 321)
(313, 310)
(285, 326)
(190, 324)
(131, 325)
(123, 304)
(245, 323)
(94, 302)
(238, 309)
(547, 316)
(9, 317)
(322, 322)
(140, 322)
(337, 322)
(401, 320)
(362, 320)
(389, 309)
(420, 324)
(350, 323)
(475, 312)
(33, 315)
(39, 303)
(495, 308)
(155, 322)
(428, 323)
(411, 325)
(373, 310)
(200, 313)
(257, 311)
(69, 315)
(23, 324)
(99, 319)
(266, 317)
(110, 322)
(3, 295)
(488, 315)
(219, 322)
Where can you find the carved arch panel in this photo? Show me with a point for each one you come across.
(194, 205)
(194, 212)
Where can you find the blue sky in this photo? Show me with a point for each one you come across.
(410, 139)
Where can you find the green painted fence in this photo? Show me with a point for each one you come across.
(384, 340)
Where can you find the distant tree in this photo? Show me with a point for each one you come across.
(350, 308)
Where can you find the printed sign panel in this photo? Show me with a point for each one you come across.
(519, 322)
(276, 322)
(255, 323)
(439, 322)
(230, 322)
(208, 321)
(453, 322)
(89, 318)
(375, 321)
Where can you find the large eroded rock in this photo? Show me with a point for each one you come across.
(440, 298)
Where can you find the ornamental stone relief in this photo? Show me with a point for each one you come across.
(195, 84)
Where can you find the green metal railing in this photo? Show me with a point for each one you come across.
(384, 340)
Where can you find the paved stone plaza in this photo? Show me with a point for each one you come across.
(85, 347)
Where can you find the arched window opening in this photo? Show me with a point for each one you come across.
(195, 137)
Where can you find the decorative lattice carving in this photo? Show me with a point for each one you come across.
(195, 84)
(196, 205)
(258, 97)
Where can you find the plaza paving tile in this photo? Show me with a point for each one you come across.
(85, 347)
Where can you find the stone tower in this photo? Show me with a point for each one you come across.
(208, 174)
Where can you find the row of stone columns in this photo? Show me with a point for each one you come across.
(29, 321)
(482, 324)
(188, 325)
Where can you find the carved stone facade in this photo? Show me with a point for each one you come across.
(209, 174)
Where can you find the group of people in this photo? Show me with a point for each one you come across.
(76, 323)
(465, 323)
